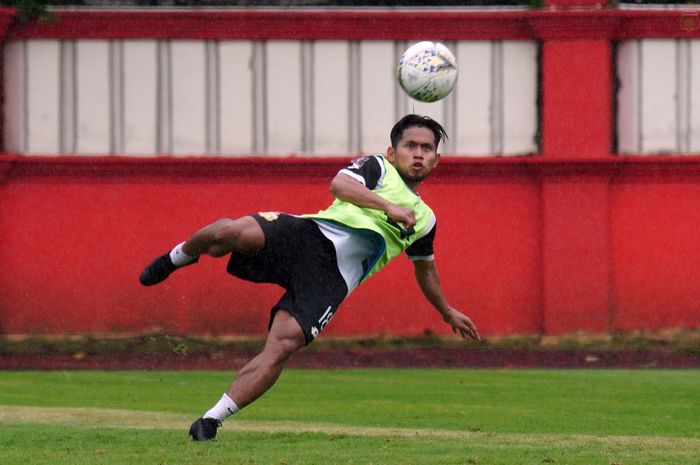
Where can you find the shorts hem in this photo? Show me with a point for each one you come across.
(297, 318)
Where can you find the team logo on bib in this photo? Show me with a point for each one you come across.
(358, 162)
(269, 216)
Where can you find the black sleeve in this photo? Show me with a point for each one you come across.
(423, 247)
(366, 170)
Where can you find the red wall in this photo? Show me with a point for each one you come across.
(74, 245)
(575, 238)
(655, 219)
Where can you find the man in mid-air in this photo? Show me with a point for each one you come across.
(319, 259)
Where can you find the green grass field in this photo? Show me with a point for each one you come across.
(584, 417)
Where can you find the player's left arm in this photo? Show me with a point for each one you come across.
(429, 281)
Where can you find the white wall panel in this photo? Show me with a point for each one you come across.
(473, 111)
(233, 98)
(658, 92)
(116, 96)
(43, 97)
(331, 76)
(188, 97)
(284, 99)
(213, 98)
(93, 81)
(236, 84)
(15, 95)
(519, 98)
(377, 84)
(658, 103)
(140, 75)
(68, 98)
(682, 97)
(164, 141)
(628, 104)
(694, 98)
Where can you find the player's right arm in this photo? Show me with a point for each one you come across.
(348, 189)
(356, 183)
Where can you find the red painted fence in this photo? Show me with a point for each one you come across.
(576, 238)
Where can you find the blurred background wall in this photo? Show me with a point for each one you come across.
(567, 197)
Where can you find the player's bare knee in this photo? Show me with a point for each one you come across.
(283, 346)
(284, 349)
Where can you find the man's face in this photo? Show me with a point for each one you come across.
(415, 154)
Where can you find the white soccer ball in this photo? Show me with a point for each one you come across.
(428, 71)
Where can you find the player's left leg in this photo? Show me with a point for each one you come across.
(217, 239)
(256, 377)
(297, 256)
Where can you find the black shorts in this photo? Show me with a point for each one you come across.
(298, 257)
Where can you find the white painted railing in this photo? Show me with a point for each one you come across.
(239, 98)
(659, 96)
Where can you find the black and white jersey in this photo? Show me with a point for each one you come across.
(369, 171)
(355, 248)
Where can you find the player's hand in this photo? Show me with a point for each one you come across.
(402, 215)
(461, 324)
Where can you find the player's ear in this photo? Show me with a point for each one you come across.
(437, 160)
(390, 154)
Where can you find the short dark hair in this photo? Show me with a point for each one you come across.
(413, 120)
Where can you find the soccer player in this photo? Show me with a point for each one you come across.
(319, 259)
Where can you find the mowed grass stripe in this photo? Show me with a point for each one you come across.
(680, 447)
(598, 402)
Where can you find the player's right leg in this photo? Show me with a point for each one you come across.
(217, 239)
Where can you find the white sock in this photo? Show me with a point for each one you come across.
(180, 258)
(224, 408)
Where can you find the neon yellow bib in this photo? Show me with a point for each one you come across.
(394, 240)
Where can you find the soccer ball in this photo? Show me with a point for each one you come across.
(427, 71)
